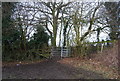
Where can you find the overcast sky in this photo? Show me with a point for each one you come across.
(103, 36)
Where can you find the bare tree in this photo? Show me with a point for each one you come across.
(84, 19)
(50, 13)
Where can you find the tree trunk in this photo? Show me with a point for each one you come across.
(54, 31)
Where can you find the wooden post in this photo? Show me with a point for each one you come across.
(61, 51)
(102, 47)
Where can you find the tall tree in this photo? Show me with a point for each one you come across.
(113, 12)
(25, 22)
(10, 34)
(84, 18)
(50, 14)
(39, 39)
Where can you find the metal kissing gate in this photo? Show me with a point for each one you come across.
(61, 52)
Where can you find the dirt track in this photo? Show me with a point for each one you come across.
(49, 69)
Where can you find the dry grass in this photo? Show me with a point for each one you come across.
(92, 65)
(105, 63)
